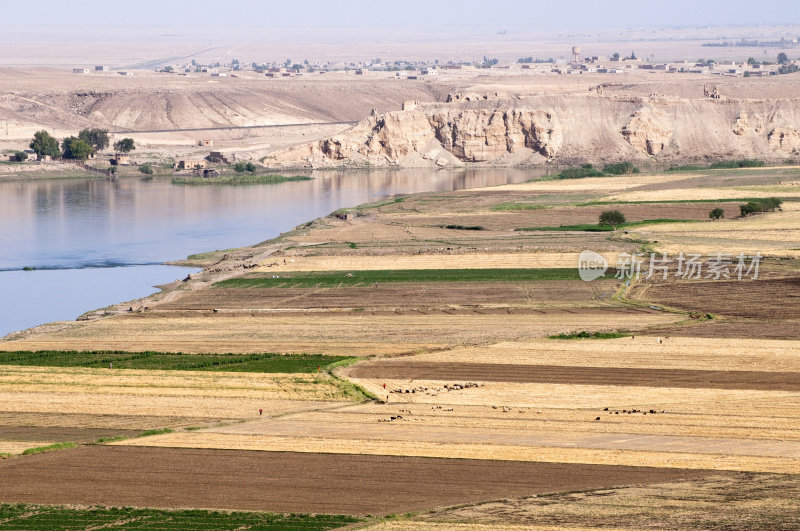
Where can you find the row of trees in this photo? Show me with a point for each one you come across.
(78, 147)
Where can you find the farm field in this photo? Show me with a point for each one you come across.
(22, 516)
(291, 482)
(467, 376)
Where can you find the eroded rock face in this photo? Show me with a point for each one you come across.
(785, 139)
(566, 129)
(483, 135)
(398, 134)
(741, 125)
(469, 135)
(646, 133)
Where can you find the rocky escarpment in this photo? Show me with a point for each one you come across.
(483, 129)
(438, 136)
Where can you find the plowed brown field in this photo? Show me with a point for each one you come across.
(293, 482)
(555, 374)
(549, 294)
(774, 298)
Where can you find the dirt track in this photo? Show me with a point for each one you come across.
(553, 374)
(288, 482)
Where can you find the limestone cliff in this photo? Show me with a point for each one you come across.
(474, 129)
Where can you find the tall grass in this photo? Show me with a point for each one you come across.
(50, 448)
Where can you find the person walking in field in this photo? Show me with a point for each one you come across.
(260, 411)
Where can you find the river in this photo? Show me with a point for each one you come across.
(95, 242)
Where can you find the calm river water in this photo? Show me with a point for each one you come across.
(96, 242)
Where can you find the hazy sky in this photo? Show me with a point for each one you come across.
(409, 14)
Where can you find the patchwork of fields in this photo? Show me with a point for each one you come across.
(424, 356)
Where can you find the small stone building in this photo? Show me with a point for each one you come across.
(191, 164)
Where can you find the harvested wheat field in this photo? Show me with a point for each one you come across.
(754, 501)
(293, 482)
(636, 351)
(345, 333)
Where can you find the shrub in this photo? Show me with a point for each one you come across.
(748, 208)
(240, 167)
(731, 164)
(146, 169)
(717, 213)
(612, 217)
(769, 204)
(20, 156)
(587, 170)
(620, 168)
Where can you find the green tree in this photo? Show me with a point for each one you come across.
(748, 208)
(717, 213)
(97, 138)
(614, 218)
(20, 156)
(250, 167)
(146, 169)
(75, 148)
(125, 145)
(783, 58)
(45, 145)
(240, 167)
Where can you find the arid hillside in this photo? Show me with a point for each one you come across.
(63, 102)
(497, 128)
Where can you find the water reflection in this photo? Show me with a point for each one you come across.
(79, 223)
(73, 224)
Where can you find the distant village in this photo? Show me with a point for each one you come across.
(576, 63)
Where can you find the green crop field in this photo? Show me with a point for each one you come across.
(263, 363)
(46, 517)
(605, 228)
(360, 278)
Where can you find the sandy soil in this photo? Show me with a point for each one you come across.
(292, 482)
